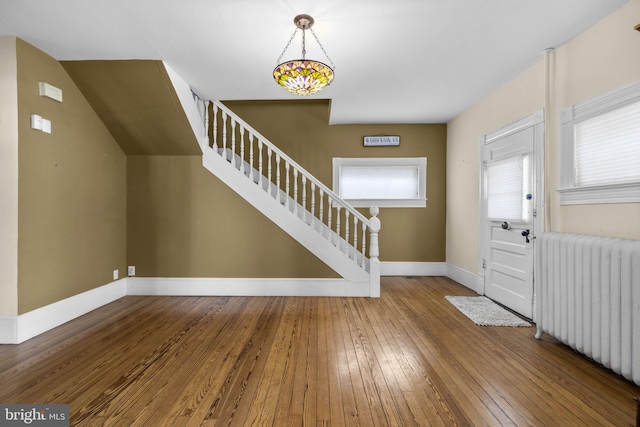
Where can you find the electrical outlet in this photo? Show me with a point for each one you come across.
(132, 270)
(115, 274)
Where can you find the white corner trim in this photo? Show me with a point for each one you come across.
(399, 268)
(15, 330)
(171, 286)
(464, 277)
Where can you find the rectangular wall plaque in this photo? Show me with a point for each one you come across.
(381, 141)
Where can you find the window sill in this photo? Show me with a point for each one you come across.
(614, 193)
(388, 203)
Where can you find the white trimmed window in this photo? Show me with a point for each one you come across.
(600, 142)
(382, 182)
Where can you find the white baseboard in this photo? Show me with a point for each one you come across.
(464, 277)
(395, 268)
(17, 329)
(245, 287)
(14, 330)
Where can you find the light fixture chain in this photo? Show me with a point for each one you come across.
(322, 47)
(304, 48)
(287, 46)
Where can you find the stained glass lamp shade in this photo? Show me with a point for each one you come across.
(303, 76)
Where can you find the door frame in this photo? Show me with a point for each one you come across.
(535, 120)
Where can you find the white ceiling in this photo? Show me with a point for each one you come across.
(397, 61)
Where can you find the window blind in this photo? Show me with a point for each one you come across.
(607, 148)
(379, 182)
(506, 189)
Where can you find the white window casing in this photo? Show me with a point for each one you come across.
(382, 182)
(600, 149)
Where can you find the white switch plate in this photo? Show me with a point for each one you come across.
(46, 126)
(115, 274)
(132, 270)
(36, 122)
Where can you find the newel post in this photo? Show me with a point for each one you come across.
(374, 253)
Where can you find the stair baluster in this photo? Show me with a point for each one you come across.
(260, 163)
(278, 178)
(206, 123)
(269, 152)
(295, 192)
(286, 166)
(313, 204)
(329, 209)
(321, 212)
(338, 208)
(224, 135)
(215, 128)
(364, 243)
(251, 155)
(355, 238)
(304, 198)
(346, 230)
(233, 141)
(242, 166)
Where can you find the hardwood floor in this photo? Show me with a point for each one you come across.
(408, 358)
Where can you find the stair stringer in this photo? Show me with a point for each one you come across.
(284, 218)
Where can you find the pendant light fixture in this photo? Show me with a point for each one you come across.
(303, 76)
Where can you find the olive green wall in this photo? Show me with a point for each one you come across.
(71, 191)
(183, 222)
(137, 102)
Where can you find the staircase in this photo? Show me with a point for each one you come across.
(292, 198)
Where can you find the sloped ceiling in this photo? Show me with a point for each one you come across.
(137, 102)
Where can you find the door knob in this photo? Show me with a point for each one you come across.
(527, 235)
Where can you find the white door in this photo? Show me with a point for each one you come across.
(508, 217)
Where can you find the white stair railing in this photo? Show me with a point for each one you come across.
(298, 190)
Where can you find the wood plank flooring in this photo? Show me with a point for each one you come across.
(408, 358)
